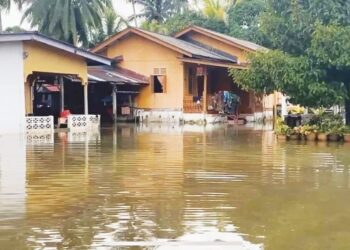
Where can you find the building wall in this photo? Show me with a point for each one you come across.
(209, 41)
(43, 58)
(143, 56)
(12, 105)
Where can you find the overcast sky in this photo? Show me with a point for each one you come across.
(13, 18)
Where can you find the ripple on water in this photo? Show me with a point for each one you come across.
(224, 188)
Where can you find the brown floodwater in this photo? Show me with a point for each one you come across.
(164, 187)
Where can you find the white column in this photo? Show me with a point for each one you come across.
(114, 95)
(62, 92)
(205, 92)
(284, 106)
(86, 99)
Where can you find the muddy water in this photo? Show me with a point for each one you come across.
(173, 188)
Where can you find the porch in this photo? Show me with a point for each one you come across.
(112, 93)
(209, 90)
(49, 94)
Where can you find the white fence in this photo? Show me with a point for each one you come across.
(39, 124)
(84, 122)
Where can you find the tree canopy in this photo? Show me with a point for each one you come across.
(243, 19)
(309, 60)
(67, 20)
(111, 24)
(5, 5)
(160, 10)
(180, 21)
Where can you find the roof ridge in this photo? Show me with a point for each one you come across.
(186, 42)
(223, 35)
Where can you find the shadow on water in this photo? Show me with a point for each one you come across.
(171, 187)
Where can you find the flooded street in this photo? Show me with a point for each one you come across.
(173, 188)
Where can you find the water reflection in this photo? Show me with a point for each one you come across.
(12, 186)
(166, 187)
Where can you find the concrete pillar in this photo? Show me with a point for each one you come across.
(86, 99)
(284, 106)
(114, 96)
(62, 92)
(205, 92)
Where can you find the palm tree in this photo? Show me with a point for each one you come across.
(5, 5)
(111, 24)
(133, 3)
(14, 29)
(216, 9)
(160, 10)
(67, 20)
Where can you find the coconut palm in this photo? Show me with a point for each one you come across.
(67, 20)
(214, 9)
(111, 24)
(160, 10)
(133, 3)
(5, 5)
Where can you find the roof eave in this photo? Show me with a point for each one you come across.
(203, 61)
(57, 44)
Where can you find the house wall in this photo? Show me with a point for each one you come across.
(43, 58)
(12, 105)
(143, 56)
(209, 41)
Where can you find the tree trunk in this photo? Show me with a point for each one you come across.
(347, 104)
(134, 12)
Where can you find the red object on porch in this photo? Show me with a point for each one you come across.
(65, 113)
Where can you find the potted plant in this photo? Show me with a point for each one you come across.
(309, 132)
(295, 133)
(283, 132)
(334, 134)
(322, 135)
(346, 133)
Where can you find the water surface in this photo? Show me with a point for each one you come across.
(164, 187)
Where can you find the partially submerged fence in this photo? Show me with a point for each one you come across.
(40, 124)
(84, 122)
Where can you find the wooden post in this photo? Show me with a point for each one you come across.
(62, 92)
(205, 92)
(86, 99)
(114, 96)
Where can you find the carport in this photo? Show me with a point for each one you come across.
(112, 92)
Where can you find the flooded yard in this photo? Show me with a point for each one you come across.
(160, 187)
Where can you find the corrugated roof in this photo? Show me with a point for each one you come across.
(241, 42)
(117, 75)
(91, 57)
(194, 49)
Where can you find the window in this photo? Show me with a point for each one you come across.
(159, 80)
(158, 83)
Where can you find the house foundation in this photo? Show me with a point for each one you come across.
(168, 116)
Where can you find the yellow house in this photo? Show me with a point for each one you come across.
(39, 76)
(186, 73)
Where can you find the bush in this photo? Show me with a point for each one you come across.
(327, 123)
